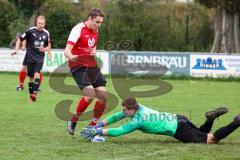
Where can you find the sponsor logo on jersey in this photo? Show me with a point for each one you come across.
(91, 42)
(36, 43)
(41, 44)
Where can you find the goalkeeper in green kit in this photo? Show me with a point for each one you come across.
(150, 121)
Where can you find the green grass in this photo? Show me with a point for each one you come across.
(32, 131)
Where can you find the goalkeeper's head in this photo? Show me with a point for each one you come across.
(130, 106)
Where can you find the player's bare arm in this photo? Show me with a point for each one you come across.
(18, 42)
(68, 52)
(24, 45)
(49, 50)
(44, 49)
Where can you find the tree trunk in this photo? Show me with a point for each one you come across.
(32, 19)
(218, 30)
(230, 35)
(227, 32)
(236, 32)
(224, 32)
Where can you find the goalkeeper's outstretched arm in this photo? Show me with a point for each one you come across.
(111, 119)
(131, 126)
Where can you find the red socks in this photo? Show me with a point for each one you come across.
(82, 105)
(98, 111)
(22, 76)
(41, 77)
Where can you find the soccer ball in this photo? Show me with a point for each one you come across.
(98, 138)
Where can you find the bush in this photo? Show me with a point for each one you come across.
(7, 16)
(155, 26)
(149, 25)
(59, 23)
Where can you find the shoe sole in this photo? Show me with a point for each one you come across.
(20, 89)
(217, 112)
(70, 132)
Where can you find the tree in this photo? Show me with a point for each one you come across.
(156, 26)
(60, 17)
(227, 26)
(7, 16)
(153, 25)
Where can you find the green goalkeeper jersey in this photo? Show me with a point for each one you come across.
(146, 120)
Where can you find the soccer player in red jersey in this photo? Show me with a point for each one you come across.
(80, 51)
(23, 71)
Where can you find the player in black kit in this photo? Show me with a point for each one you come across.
(38, 42)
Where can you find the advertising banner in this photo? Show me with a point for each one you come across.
(215, 66)
(14, 63)
(150, 62)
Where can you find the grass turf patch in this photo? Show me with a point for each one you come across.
(32, 131)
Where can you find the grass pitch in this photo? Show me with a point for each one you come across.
(32, 131)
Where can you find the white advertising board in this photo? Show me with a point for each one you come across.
(10, 63)
(216, 66)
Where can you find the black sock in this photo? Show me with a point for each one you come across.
(225, 131)
(30, 87)
(207, 126)
(36, 85)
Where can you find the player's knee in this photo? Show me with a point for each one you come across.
(24, 68)
(89, 92)
(37, 75)
(88, 99)
(102, 100)
(31, 79)
(102, 96)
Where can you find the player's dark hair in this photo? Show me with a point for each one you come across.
(130, 103)
(95, 12)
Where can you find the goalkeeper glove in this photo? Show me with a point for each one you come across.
(99, 125)
(89, 133)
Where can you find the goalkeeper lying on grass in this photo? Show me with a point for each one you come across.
(162, 123)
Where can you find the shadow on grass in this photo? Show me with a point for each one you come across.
(143, 141)
(135, 141)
